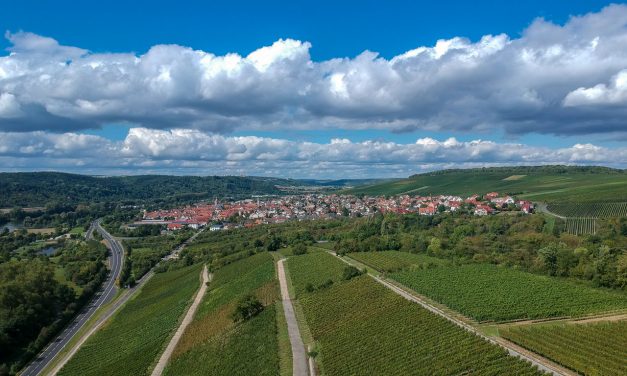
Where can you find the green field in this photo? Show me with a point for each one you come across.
(590, 349)
(590, 210)
(578, 184)
(315, 269)
(581, 226)
(491, 293)
(214, 344)
(392, 261)
(362, 328)
(131, 343)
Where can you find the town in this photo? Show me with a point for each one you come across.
(252, 212)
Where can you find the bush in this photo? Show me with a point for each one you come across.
(351, 272)
(299, 249)
(247, 308)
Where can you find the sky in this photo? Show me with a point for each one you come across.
(324, 89)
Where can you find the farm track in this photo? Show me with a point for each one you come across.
(299, 356)
(189, 316)
(542, 363)
(568, 320)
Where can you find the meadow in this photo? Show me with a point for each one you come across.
(590, 349)
(362, 328)
(214, 344)
(393, 261)
(132, 341)
(490, 293)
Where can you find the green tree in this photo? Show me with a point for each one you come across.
(247, 308)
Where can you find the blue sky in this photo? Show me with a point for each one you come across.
(547, 89)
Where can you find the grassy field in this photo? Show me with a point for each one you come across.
(214, 344)
(392, 261)
(591, 349)
(536, 184)
(362, 328)
(491, 293)
(131, 343)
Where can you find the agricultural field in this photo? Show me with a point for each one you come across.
(581, 226)
(548, 184)
(214, 344)
(590, 349)
(487, 292)
(315, 269)
(590, 210)
(393, 261)
(362, 328)
(132, 341)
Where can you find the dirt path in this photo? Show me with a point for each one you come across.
(542, 363)
(569, 320)
(299, 356)
(163, 361)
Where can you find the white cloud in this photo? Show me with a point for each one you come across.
(601, 94)
(553, 79)
(193, 151)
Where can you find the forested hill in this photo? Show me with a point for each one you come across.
(27, 189)
(538, 183)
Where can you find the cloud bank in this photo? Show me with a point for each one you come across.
(554, 79)
(187, 151)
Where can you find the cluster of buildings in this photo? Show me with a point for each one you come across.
(250, 212)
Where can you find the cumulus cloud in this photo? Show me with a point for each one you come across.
(192, 151)
(553, 79)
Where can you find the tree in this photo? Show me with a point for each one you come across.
(351, 272)
(247, 308)
(299, 249)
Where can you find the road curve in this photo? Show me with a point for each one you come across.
(167, 353)
(299, 356)
(103, 296)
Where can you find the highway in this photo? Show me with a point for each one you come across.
(106, 293)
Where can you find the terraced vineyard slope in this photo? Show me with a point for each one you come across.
(362, 328)
(590, 210)
(591, 349)
(134, 338)
(548, 183)
(490, 293)
(392, 261)
(214, 343)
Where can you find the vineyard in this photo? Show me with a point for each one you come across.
(590, 210)
(132, 341)
(581, 226)
(213, 343)
(315, 269)
(590, 349)
(362, 328)
(392, 261)
(491, 293)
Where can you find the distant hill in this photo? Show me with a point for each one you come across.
(27, 189)
(344, 183)
(539, 183)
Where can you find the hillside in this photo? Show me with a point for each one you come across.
(540, 183)
(29, 189)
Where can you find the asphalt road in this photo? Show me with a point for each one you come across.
(106, 293)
